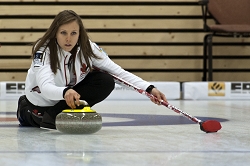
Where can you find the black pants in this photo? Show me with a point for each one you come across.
(94, 88)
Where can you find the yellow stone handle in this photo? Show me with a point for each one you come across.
(86, 108)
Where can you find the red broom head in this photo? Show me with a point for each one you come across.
(210, 126)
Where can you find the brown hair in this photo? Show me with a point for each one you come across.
(49, 39)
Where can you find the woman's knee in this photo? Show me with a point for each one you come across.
(108, 81)
(99, 79)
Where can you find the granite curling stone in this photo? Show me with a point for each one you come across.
(79, 121)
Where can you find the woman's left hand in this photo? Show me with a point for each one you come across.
(159, 95)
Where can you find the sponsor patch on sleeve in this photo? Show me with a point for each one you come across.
(38, 59)
(97, 46)
(100, 49)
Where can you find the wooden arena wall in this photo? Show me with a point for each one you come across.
(158, 40)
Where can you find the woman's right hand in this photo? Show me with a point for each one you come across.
(72, 98)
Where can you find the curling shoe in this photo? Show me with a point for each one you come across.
(21, 108)
(47, 122)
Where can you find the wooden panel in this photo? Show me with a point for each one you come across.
(143, 50)
(25, 23)
(124, 37)
(15, 63)
(231, 64)
(101, 0)
(146, 64)
(159, 37)
(192, 76)
(231, 76)
(182, 64)
(174, 50)
(100, 10)
(153, 76)
(159, 63)
(108, 23)
(19, 36)
(186, 42)
(168, 76)
(13, 76)
(15, 50)
(231, 50)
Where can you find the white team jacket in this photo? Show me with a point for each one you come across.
(44, 88)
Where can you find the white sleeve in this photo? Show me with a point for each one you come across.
(106, 64)
(45, 77)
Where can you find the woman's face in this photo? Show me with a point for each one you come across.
(67, 35)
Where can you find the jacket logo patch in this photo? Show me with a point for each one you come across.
(38, 59)
(100, 49)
